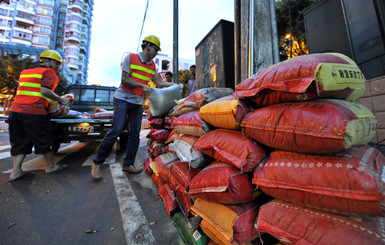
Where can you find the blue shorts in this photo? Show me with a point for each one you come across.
(28, 130)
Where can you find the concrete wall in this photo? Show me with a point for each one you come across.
(374, 99)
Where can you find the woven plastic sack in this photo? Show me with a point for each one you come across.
(189, 235)
(227, 224)
(57, 110)
(172, 136)
(222, 183)
(319, 126)
(328, 75)
(191, 123)
(206, 95)
(103, 114)
(184, 148)
(294, 224)
(168, 198)
(164, 160)
(349, 183)
(163, 99)
(231, 147)
(226, 112)
(183, 199)
(183, 173)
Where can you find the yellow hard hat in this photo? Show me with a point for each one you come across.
(51, 54)
(152, 39)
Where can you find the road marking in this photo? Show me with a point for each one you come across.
(5, 147)
(5, 155)
(38, 163)
(110, 159)
(135, 225)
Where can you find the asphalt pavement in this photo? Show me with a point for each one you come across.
(71, 208)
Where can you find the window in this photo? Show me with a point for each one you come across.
(48, 2)
(45, 20)
(101, 96)
(45, 30)
(43, 40)
(88, 95)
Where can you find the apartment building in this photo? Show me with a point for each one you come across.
(30, 26)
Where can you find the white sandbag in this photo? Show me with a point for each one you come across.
(163, 99)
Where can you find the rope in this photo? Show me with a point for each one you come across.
(141, 30)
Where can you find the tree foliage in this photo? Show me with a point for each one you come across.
(292, 24)
(11, 66)
(183, 77)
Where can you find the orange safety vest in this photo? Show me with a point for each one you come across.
(29, 88)
(141, 73)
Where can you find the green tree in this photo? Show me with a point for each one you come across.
(11, 66)
(183, 77)
(292, 24)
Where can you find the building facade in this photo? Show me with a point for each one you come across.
(29, 26)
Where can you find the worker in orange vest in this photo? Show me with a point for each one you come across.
(137, 71)
(29, 123)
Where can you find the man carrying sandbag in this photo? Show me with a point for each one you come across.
(29, 122)
(137, 71)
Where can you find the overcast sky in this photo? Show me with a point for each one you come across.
(116, 28)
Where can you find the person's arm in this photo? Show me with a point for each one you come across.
(127, 80)
(159, 82)
(51, 95)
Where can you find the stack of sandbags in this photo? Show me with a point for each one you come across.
(321, 161)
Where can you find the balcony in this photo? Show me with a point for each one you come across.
(78, 4)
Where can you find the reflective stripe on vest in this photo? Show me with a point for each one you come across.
(139, 72)
(29, 90)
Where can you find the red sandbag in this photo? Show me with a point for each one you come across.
(183, 173)
(104, 114)
(319, 126)
(327, 75)
(161, 135)
(163, 163)
(156, 149)
(99, 109)
(156, 123)
(294, 224)
(206, 95)
(190, 123)
(168, 198)
(222, 183)
(349, 183)
(147, 167)
(231, 147)
(184, 200)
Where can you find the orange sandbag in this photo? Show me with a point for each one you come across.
(226, 112)
(172, 136)
(294, 224)
(190, 123)
(227, 224)
(183, 199)
(328, 75)
(319, 126)
(103, 114)
(349, 183)
(231, 147)
(222, 183)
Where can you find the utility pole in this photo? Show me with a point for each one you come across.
(175, 42)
